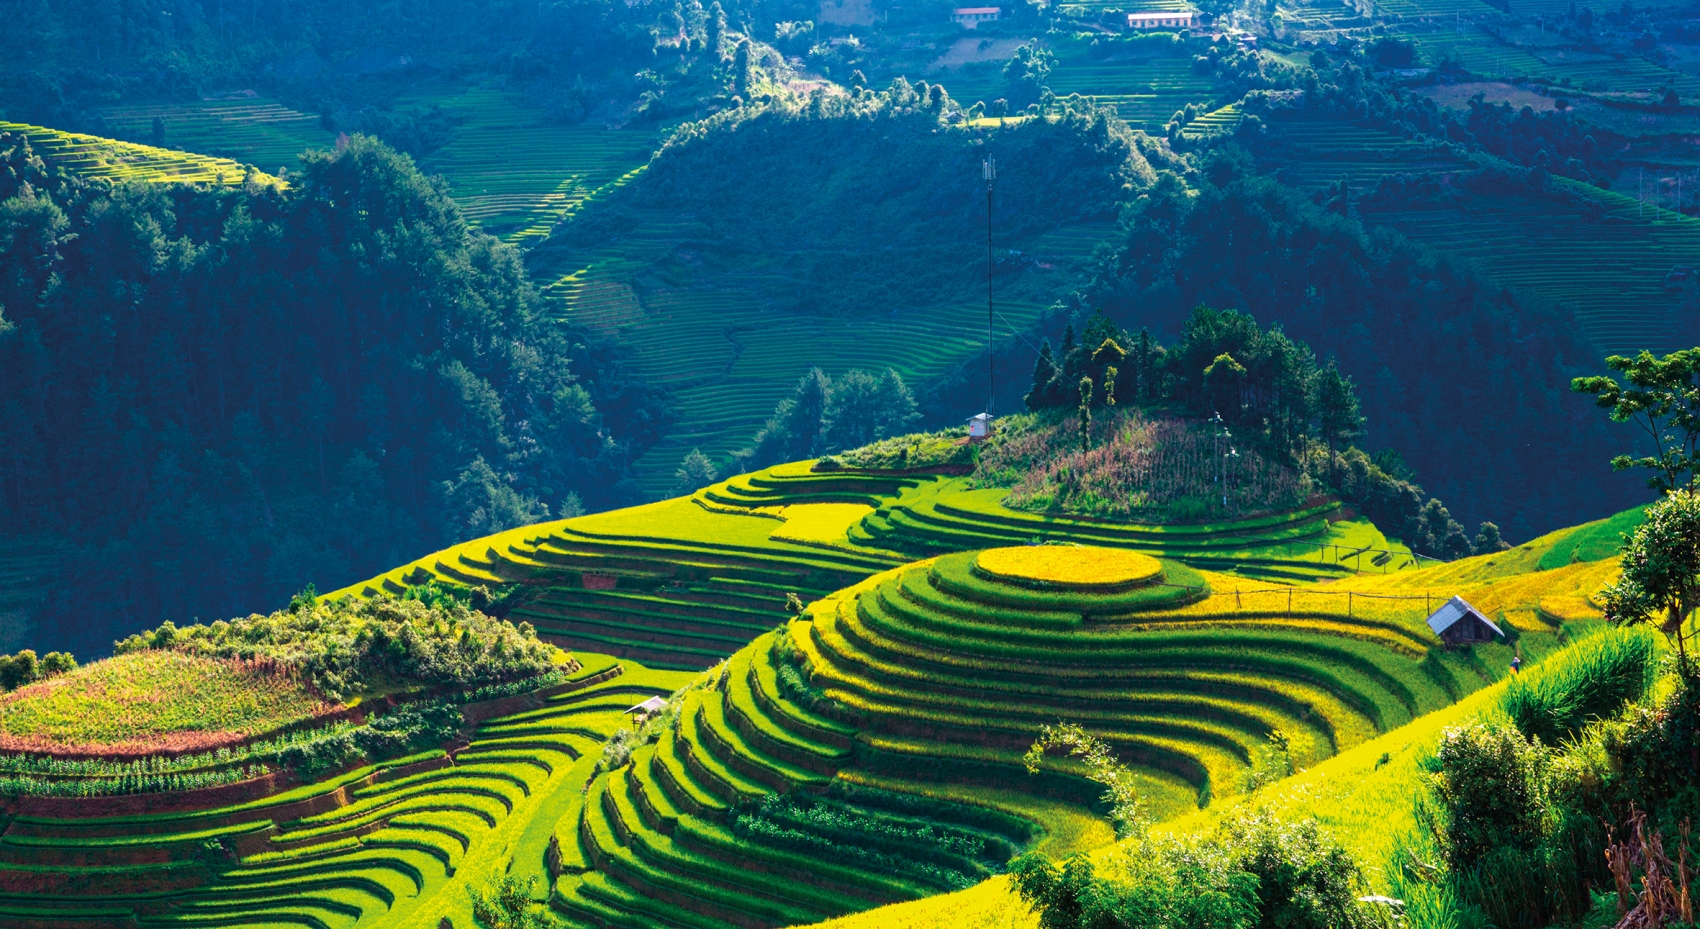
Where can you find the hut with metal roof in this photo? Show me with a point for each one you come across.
(1459, 623)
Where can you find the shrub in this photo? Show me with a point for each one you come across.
(351, 646)
(1255, 872)
(1592, 680)
(1493, 788)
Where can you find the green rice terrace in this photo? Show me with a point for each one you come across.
(95, 157)
(861, 746)
(1600, 253)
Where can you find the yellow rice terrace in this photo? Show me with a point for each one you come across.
(1073, 566)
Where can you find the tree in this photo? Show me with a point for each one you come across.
(716, 27)
(1660, 583)
(793, 432)
(1488, 540)
(1044, 369)
(1662, 397)
(741, 68)
(1338, 418)
(695, 473)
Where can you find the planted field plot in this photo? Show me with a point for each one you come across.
(395, 842)
(896, 771)
(115, 707)
(253, 130)
(515, 175)
(1605, 256)
(1316, 153)
(92, 156)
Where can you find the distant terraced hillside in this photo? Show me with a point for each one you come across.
(93, 156)
(1596, 252)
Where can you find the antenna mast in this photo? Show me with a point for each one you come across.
(990, 170)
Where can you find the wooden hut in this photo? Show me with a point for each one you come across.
(1459, 623)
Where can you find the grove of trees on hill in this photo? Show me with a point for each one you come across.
(219, 395)
(1466, 381)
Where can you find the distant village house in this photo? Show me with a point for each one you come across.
(1459, 623)
(979, 426)
(971, 16)
(1183, 19)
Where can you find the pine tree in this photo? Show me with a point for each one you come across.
(1044, 369)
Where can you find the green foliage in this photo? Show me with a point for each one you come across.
(412, 396)
(1255, 872)
(509, 903)
(1660, 582)
(1121, 786)
(938, 854)
(24, 668)
(1493, 786)
(898, 453)
(354, 646)
(825, 415)
(1661, 396)
(1591, 680)
(1239, 239)
(695, 473)
(1272, 761)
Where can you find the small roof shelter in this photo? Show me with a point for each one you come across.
(971, 16)
(1457, 622)
(980, 426)
(647, 708)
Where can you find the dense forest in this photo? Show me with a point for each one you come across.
(221, 394)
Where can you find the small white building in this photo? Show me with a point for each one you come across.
(1182, 19)
(972, 16)
(980, 426)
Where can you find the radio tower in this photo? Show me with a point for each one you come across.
(990, 171)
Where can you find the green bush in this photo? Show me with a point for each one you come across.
(352, 646)
(24, 668)
(1592, 680)
(1256, 872)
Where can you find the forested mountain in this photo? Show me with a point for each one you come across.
(219, 395)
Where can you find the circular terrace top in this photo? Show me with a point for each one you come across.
(1075, 566)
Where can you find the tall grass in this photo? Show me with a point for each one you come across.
(1592, 680)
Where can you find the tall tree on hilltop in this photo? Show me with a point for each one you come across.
(1338, 417)
(1662, 397)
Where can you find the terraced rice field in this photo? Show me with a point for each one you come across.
(1600, 253)
(1146, 92)
(729, 359)
(932, 679)
(685, 582)
(255, 130)
(1605, 258)
(95, 157)
(1315, 154)
(928, 514)
(514, 174)
(400, 841)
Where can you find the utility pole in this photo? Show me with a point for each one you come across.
(990, 170)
